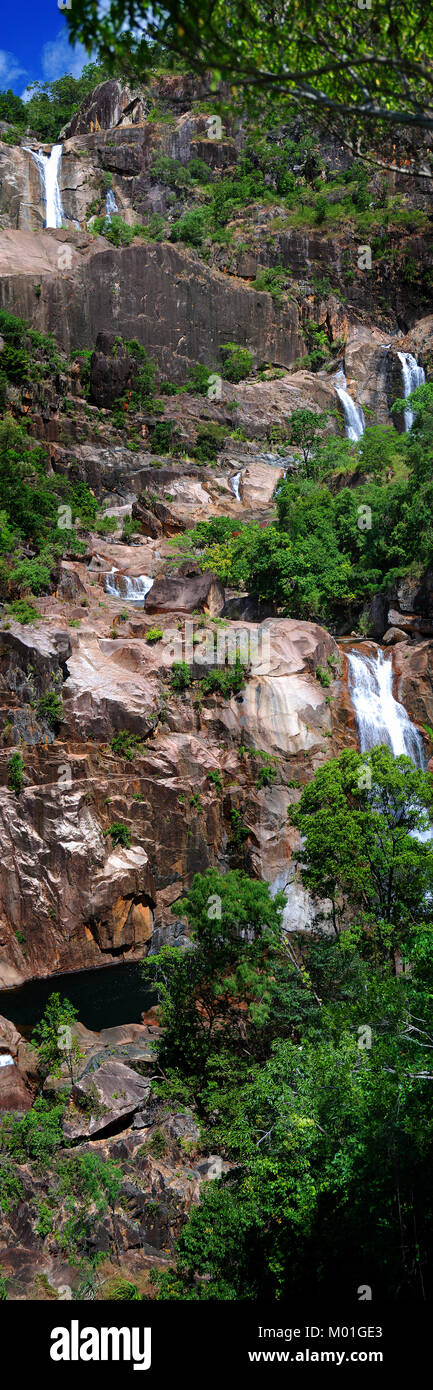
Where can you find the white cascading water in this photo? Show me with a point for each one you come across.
(354, 422)
(235, 481)
(134, 590)
(412, 376)
(379, 717)
(48, 166)
(110, 206)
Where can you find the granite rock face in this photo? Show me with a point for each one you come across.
(111, 1093)
(187, 594)
(166, 298)
(131, 750)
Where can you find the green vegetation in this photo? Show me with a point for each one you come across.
(51, 104)
(303, 429)
(330, 550)
(54, 1039)
(216, 778)
(120, 834)
(275, 280)
(180, 676)
(210, 440)
(266, 767)
(40, 509)
(301, 60)
(323, 676)
(237, 361)
(224, 680)
(16, 773)
(127, 744)
(357, 818)
(117, 230)
(271, 1048)
(51, 708)
(23, 612)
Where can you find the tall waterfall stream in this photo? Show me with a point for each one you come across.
(48, 166)
(379, 717)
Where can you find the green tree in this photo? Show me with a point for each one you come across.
(236, 984)
(54, 1038)
(91, 1184)
(16, 772)
(52, 104)
(368, 64)
(12, 108)
(360, 818)
(303, 428)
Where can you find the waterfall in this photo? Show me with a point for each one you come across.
(134, 590)
(379, 717)
(110, 206)
(48, 166)
(412, 375)
(354, 422)
(235, 480)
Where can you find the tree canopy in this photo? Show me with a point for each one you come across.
(353, 60)
(308, 1065)
(364, 819)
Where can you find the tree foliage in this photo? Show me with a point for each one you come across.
(361, 818)
(370, 63)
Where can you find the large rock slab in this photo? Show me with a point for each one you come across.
(186, 594)
(177, 307)
(65, 891)
(108, 689)
(419, 340)
(14, 1094)
(110, 1093)
(413, 667)
(282, 707)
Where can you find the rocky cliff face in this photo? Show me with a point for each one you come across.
(164, 297)
(70, 897)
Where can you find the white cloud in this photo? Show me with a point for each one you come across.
(10, 68)
(59, 56)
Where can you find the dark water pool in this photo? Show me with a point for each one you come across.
(104, 998)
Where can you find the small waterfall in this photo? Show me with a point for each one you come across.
(354, 422)
(235, 481)
(379, 717)
(110, 205)
(48, 166)
(134, 590)
(412, 375)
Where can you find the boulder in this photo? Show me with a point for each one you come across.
(14, 1094)
(257, 484)
(107, 1095)
(393, 635)
(406, 622)
(101, 109)
(419, 340)
(9, 1036)
(282, 707)
(70, 584)
(413, 666)
(183, 594)
(183, 1126)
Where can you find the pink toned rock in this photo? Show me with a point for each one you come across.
(110, 1093)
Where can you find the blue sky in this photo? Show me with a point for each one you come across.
(34, 45)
